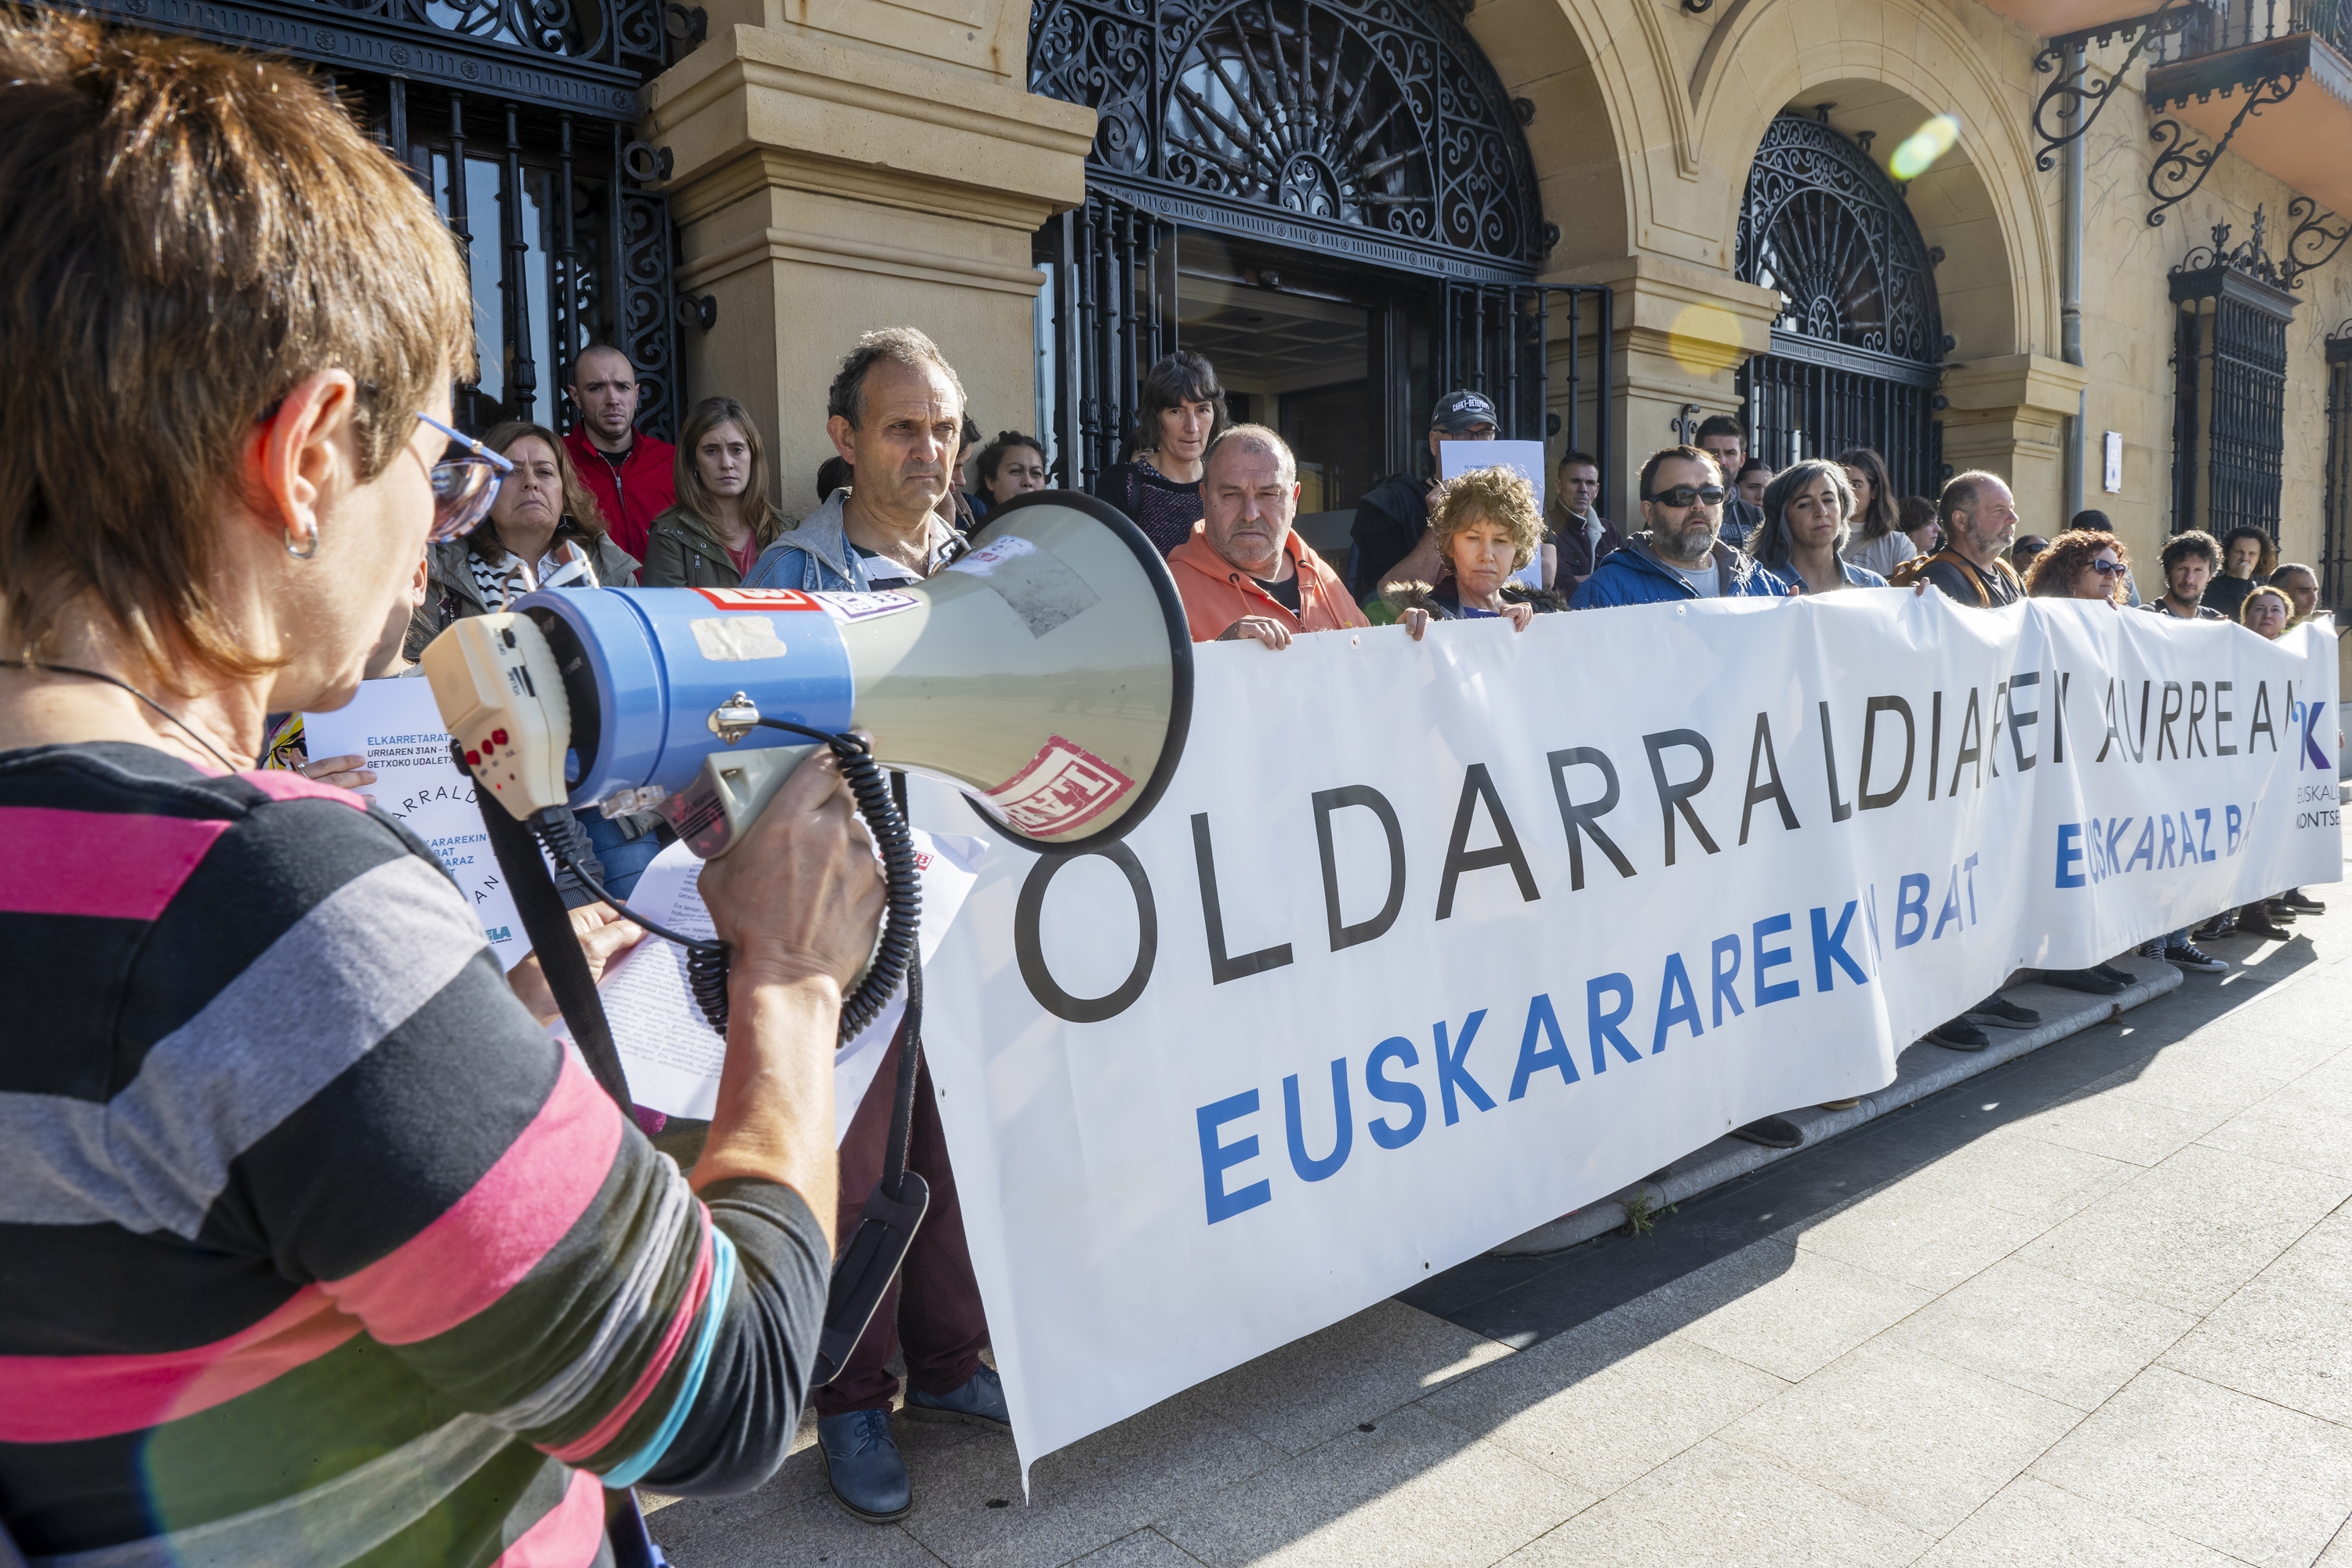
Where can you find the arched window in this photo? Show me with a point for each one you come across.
(1859, 343)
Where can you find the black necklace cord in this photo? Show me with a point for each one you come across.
(706, 961)
(117, 681)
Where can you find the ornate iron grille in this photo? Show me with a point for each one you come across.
(516, 116)
(1856, 349)
(2228, 364)
(1106, 314)
(1498, 339)
(1369, 126)
(2335, 545)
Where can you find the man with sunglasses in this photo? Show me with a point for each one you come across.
(1681, 555)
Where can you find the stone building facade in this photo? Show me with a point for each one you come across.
(1832, 217)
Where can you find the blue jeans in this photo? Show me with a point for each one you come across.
(625, 859)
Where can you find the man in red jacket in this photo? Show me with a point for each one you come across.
(632, 476)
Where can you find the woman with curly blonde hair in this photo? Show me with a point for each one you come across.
(2081, 563)
(1486, 527)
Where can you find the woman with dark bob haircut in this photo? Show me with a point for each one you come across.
(1179, 410)
(319, 1248)
(1806, 510)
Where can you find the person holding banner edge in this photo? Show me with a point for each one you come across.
(434, 1262)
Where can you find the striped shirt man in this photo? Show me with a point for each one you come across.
(313, 1248)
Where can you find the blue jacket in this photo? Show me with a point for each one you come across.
(817, 557)
(1855, 577)
(1634, 575)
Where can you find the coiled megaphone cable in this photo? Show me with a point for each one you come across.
(706, 960)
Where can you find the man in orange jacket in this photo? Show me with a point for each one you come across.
(1243, 574)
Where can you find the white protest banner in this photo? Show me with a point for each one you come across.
(1429, 943)
(394, 724)
(671, 1054)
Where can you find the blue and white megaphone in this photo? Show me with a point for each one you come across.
(1047, 671)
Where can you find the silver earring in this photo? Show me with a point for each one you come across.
(306, 551)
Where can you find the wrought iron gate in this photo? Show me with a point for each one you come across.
(2336, 544)
(2229, 366)
(1498, 338)
(1106, 314)
(518, 117)
(1857, 348)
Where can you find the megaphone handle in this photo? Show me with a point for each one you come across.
(910, 1048)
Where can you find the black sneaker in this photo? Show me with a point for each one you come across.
(2262, 927)
(2090, 982)
(2151, 948)
(2296, 899)
(2213, 929)
(2278, 909)
(2187, 956)
(1960, 1035)
(2002, 1014)
(2120, 976)
(1772, 1131)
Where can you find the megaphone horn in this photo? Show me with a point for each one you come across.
(1048, 671)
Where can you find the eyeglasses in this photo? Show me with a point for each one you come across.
(1688, 495)
(463, 487)
(2108, 568)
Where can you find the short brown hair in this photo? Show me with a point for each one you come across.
(213, 227)
(2052, 573)
(900, 345)
(1665, 454)
(583, 518)
(1959, 494)
(1488, 495)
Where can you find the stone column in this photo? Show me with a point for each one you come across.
(824, 190)
(1677, 334)
(2006, 415)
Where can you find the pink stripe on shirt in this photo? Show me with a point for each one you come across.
(69, 1399)
(568, 1535)
(697, 1291)
(494, 1236)
(111, 865)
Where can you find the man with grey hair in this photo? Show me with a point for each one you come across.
(1245, 572)
(895, 415)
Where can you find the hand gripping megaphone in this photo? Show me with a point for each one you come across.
(1048, 671)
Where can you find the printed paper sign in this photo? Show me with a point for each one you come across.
(396, 726)
(848, 606)
(758, 598)
(669, 1050)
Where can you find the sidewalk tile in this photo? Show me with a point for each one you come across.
(1716, 1504)
(2237, 1474)
(2060, 1338)
(2204, 1074)
(2138, 1131)
(1144, 1549)
(1358, 1369)
(2034, 1523)
(1099, 1490)
(2192, 1231)
(1600, 1427)
(2287, 1336)
(2027, 1176)
(793, 1518)
(2287, 1135)
(1788, 1311)
(1903, 1434)
(1923, 1238)
(1413, 1490)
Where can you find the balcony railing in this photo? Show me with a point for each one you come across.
(2220, 27)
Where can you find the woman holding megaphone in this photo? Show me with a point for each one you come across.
(315, 1235)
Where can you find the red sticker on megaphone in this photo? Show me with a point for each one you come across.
(758, 599)
(1065, 786)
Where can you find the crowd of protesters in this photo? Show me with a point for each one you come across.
(571, 1312)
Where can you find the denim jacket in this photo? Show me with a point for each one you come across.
(816, 556)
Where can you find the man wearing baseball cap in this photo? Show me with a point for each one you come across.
(1391, 520)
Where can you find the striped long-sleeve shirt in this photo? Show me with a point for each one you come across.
(313, 1248)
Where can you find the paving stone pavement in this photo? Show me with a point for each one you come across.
(2093, 1306)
